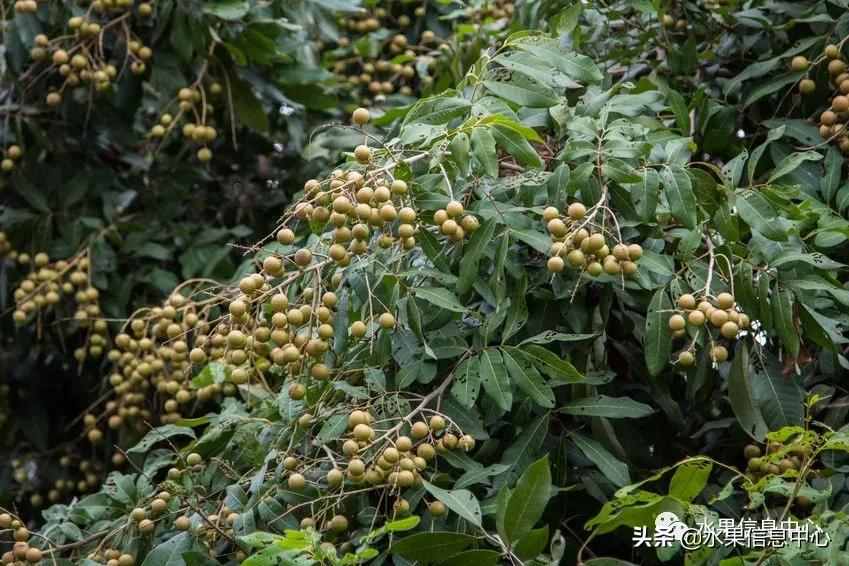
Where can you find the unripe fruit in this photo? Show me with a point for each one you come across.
(194, 459)
(832, 51)
(751, 451)
(204, 154)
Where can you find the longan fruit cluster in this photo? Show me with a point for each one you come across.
(72, 477)
(26, 6)
(719, 316)
(580, 244)
(397, 66)
(453, 223)
(194, 117)
(22, 552)
(832, 122)
(780, 458)
(92, 50)
(11, 155)
(396, 463)
(46, 284)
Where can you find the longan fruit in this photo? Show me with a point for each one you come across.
(362, 154)
(437, 423)
(576, 211)
(687, 302)
(677, 322)
(799, 63)
(840, 104)
(437, 508)
(296, 482)
(719, 353)
(836, 67)
(807, 86)
(556, 264)
(832, 51)
(285, 236)
(419, 430)
(718, 317)
(360, 117)
(696, 318)
(751, 451)
(686, 359)
(386, 321)
(729, 330)
(194, 459)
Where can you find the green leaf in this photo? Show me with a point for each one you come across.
(678, 189)
(815, 259)
(401, 525)
(479, 557)
(227, 9)
(516, 145)
(461, 501)
(155, 436)
(658, 346)
(759, 214)
(549, 363)
(532, 544)
(740, 396)
(440, 297)
(528, 500)
(792, 162)
(472, 255)
(537, 97)
(431, 547)
(467, 382)
(247, 106)
(529, 380)
(604, 406)
(782, 313)
(494, 377)
(613, 469)
(484, 151)
(690, 479)
(170, 552)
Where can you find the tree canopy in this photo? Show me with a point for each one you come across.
(544, 272)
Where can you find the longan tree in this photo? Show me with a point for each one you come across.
(539, 290)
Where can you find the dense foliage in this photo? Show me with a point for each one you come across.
(147, 137)
(594, 273)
